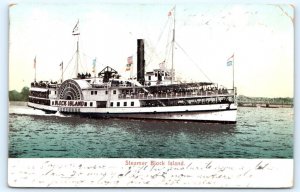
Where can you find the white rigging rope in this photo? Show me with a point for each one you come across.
(193, 62)
(155, 47)
(64, 70)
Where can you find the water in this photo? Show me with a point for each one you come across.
(259, 133)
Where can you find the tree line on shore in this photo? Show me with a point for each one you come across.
(265, 100)
(19, 96)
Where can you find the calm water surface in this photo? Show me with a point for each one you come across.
(259, 133)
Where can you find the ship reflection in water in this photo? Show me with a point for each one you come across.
(71, 136)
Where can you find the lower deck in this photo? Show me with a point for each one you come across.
(208, 112)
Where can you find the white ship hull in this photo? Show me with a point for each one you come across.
(209, 113)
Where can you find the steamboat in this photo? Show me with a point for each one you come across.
(151, 95)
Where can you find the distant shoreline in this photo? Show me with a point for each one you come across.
(267, 106)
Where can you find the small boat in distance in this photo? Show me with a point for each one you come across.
(151, 95)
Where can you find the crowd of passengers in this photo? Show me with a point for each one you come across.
(175, 92)
(39, 101)
(123, 83)
(83, 76)
(43, 84)
(40, 94)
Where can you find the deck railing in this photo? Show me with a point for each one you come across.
(173, 95)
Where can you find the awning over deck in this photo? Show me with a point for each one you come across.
(38, 89)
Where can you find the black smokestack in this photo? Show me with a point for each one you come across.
(140, 61)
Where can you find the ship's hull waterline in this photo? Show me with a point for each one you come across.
(221, 113)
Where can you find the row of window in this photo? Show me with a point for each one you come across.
(106, 92)
(124, 104)
(93, 92)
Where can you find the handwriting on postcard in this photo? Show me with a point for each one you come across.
(150, 173)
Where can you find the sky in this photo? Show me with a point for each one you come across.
(261, 37)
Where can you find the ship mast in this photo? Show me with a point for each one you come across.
(75, 32)
(233, 72)
(34, 65)
(77, 56)
(173, 43)
(62, 71)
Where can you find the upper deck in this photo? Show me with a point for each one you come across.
(194, 93)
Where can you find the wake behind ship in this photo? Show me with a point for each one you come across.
(151, 95)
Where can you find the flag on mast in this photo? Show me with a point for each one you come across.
(94, 65)
(230, 60)
(170, 13)
(76, 29)
(162, 65)
(129, 63)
